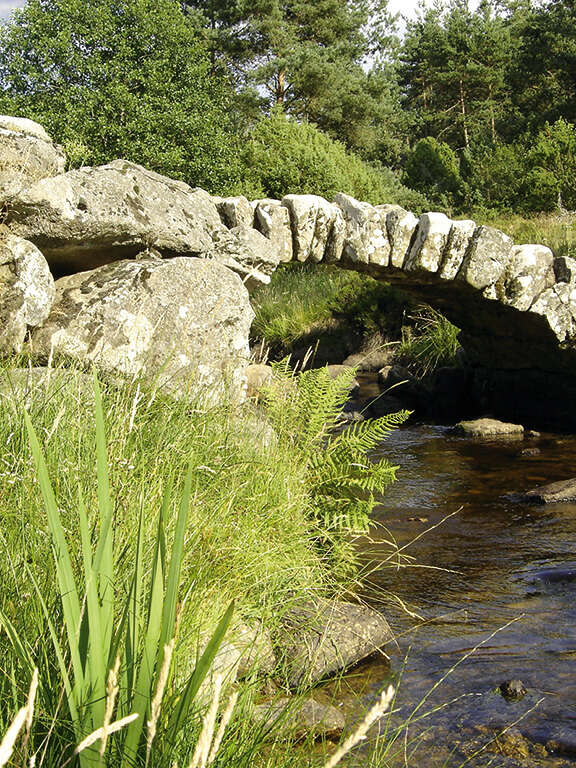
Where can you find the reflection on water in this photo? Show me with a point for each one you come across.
(495, 582)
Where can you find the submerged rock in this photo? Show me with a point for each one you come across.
(562, 491)
(487, 428)
(298, 719)
(512, 690)
(317, 639)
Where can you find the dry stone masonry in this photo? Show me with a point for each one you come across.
(516, 305)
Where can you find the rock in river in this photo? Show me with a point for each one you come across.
(487, 428)
(562, 491)
(317, 639)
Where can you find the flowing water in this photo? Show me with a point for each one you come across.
(494, 584)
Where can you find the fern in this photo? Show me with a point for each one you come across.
(343, 483)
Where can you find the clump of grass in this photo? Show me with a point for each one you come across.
(306, 300)
(429, 343)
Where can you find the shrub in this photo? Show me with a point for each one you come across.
(283, 156)
(432, 168)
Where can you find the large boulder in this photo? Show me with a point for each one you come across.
(182, 322)
(317, 639)
(27, 154)
(92, 216)
(26, 291)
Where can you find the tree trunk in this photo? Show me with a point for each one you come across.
(280, 87)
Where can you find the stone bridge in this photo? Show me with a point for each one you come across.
(515, 304)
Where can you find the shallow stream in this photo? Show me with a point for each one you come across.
(494, 584)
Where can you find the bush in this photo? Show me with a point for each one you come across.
(283, 156)
(432, 168)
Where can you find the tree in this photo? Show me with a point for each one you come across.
(309, 57)
(121, 78)
(285, 156)
(433, 168)
(544, 74)
(453, 67)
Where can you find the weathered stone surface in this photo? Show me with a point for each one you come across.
(458, 242)
(183, 323)
(366, 238)
(92, 216)
(27, 154)
(565, 269)
(488, 428)
(429, 244)
(273, 220)
(235, 211)
(317, 639)
(256, 651)
(246, 251)
(486, 258)
(314, 223)
(529, 272)
(562, 491)
(400, 225)
(298, 719)
(557, 306)
(26, 291)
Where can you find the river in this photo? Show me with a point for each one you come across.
(493, 582)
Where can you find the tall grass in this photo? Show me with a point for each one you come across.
(431, 342)
(131, 522)
(556, 230)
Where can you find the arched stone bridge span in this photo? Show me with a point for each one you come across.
(515, 304)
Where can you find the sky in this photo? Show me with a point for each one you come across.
(406, 7)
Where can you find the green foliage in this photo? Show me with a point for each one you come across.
(344, 483)
(308, 300)
(430, 343)
(136, 633)
(433, 168)
(309, 58)
(130, 79)
(284, 157)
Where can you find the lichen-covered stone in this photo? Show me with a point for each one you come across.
(400, 225)
(429, 243)
(318, 638)
(530, 271)
(313, 220)
(27, 154)
(486, 258)
(235, 211)
(488, 428)
(183, 323)
(558, 306)
(366, 239)
(247, 252)
(26, 291)
(92, 216)
(272, 219)
(459, 239)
